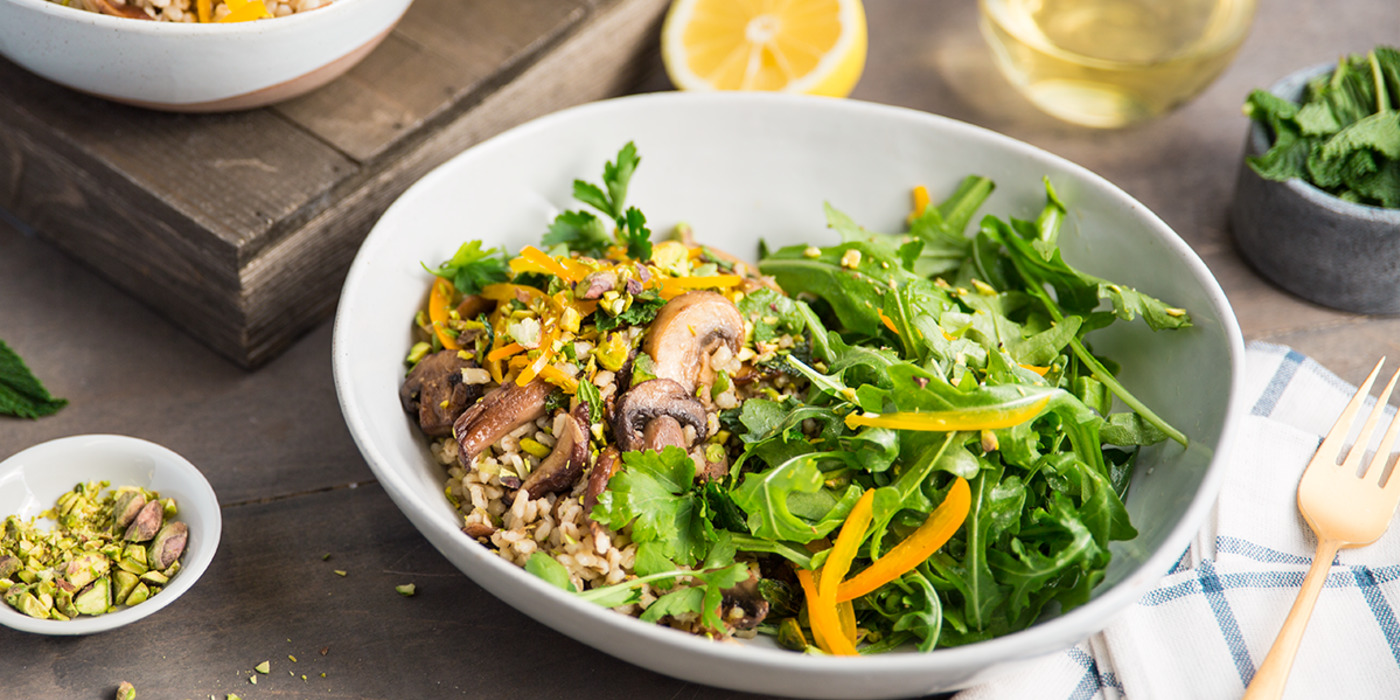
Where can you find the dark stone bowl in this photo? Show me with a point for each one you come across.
(1319, 247)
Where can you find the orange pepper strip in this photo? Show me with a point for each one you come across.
(439, 306)
(530, 371)
(826, 629)
(921, 202)
(946, 421)
(916, 548)
(504, 351)
(205, 10)
(672, 287)
(889, 323)
(550, 265)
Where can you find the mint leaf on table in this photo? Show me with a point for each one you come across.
(473, 267)
(21, 393)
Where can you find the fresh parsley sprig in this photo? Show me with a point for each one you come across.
(584, 232)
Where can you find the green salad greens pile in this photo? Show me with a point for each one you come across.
(1344, 137)
(934, 362)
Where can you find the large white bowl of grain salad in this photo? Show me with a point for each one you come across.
(194, 55)
(790, 395)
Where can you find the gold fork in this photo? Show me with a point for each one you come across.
(1344, 511)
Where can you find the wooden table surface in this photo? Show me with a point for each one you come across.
(294, 488)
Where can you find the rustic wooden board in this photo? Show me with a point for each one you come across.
(239, 227)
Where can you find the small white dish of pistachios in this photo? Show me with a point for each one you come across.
(99, 531)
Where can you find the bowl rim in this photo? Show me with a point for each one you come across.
(195, 563)
(1290, 87)
(1036, 641)
(150, 27)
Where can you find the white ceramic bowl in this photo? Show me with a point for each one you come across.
(193, 67)
(32, 480)
(739, 167)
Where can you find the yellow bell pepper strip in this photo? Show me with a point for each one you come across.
(556, 376)
(245, 10)
(826, 629)
(921, 202)
(847, 542)
(439, 308)
(976, 418)
(840, 636)
(204, 9)
(675, 286)
(547, 338)
(916, 548)
(846, 615)
(1037, 369)
(533, 259)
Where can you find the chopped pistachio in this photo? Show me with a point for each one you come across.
(147, 523)
(125, 691)
(253, 680)
(96, 599)
(340, 572)
(32, 606)
(417, 352)
(263, 667)
(231, 696)
(293, 658)
(406, 589)
(154, 578)
(534, 447)
(168, 545)
(168, 508)
(124, 581)
(128, 504)
(9, 565)
(139, 594)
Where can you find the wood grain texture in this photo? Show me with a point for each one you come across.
(239, 227)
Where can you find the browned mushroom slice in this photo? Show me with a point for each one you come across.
(652, 399)
(746, 595)
(686, 330)
(564, 464)
(603, 469)
(506, 408)
(434, 391)
(117, 9)
(474, 305)
(661, 432)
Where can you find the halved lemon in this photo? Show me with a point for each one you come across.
(816, 47)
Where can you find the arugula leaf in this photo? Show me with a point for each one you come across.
(21, 393)
(765, 497)
(473, 267)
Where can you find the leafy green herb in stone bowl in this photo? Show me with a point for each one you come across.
(1344, 136)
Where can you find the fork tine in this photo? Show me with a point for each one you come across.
(1376, 467)
(1332, 445)
(1363, 439)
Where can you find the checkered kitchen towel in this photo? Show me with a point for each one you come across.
(1206, 627)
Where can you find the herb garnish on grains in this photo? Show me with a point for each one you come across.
(21, 393)
(1345, 136)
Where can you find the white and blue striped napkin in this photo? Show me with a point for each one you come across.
(1201, 633)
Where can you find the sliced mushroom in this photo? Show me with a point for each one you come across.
(746, 595)
(474, 305)
(434, 391)
(604, 467)
(652, 399)
(686, 330)
(565, 463)
(506, 408)
(662, 432)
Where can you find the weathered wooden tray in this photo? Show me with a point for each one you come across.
(239, 227)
